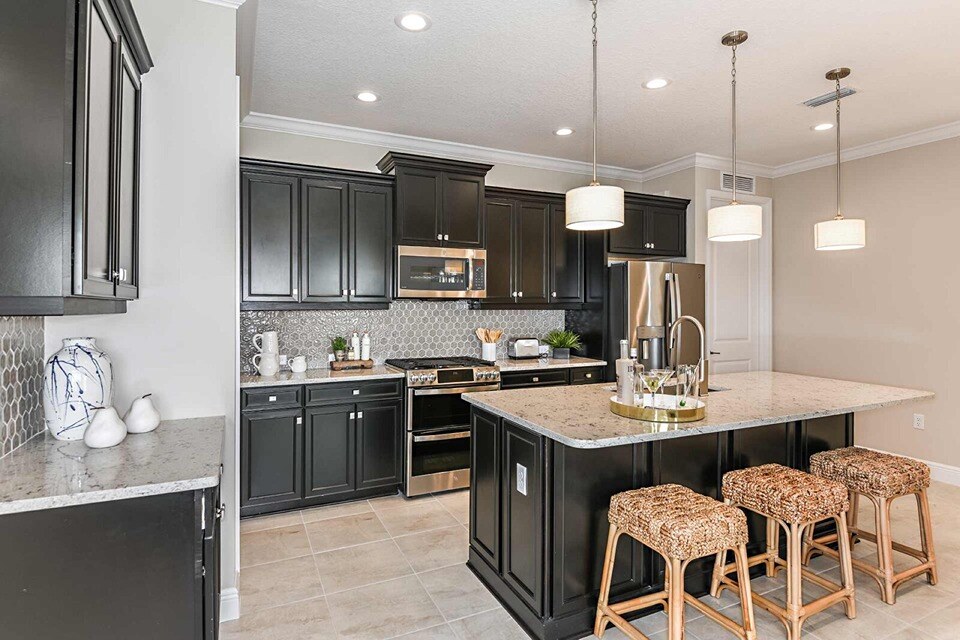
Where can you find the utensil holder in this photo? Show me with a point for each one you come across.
(488, 351)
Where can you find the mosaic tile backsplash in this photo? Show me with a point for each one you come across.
(21, 381)
(409, 328)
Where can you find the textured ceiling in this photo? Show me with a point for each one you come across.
(506, 73)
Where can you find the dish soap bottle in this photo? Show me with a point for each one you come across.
(355, 345)
(625, 373)
(365, 346)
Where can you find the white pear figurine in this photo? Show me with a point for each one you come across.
(142, 416)
(105, 430)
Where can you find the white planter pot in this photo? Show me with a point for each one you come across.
(77, 380)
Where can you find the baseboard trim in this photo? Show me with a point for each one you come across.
(229, 604)
(939, 472)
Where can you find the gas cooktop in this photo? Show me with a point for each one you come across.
(413, 364)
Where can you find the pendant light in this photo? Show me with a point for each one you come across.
(734, 222)
(596, 206)
(840, 233)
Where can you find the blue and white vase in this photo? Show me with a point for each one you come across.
(77, 380)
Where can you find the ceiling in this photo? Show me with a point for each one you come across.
(505, 74)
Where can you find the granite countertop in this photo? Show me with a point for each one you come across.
(45, 473)
(316, 376)
(580, 416)
(536, 364)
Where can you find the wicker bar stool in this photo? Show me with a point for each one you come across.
(792, 500)
(681, 526)
(882, 478)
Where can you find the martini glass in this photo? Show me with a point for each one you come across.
(653, 380)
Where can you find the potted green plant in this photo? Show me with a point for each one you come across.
(339, 345)
(561, 341)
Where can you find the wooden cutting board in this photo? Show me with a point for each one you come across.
(351, 364)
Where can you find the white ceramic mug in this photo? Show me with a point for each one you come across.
(267, 342)
(298, 364)
(267, 364)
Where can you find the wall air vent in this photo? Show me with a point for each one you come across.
(829, 97)
(745, 184)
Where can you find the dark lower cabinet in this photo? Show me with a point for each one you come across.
(550, 377)
(271, 449)
(485, 487)
(145, 568)
(331, 445)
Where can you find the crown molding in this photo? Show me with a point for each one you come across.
(430, 146)
(917, 138)
(230, 4)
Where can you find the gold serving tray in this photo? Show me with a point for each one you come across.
(667, 411)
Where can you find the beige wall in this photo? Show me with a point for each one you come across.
(889, 313)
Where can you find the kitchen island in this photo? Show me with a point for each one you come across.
(545, 462)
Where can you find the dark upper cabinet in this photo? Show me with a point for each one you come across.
(566, 259)
(271, 446)
(665, 231)
(594, 267)
(330, 443)
(532, 251)
(379, 428)
(314, 238)
(500, 271)
(653, 226)
(439, 202)
(69, 171)
(629, 238)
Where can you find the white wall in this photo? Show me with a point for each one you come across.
(178, 340)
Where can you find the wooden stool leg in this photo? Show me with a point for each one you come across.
(600, 624)
(846, 565)
(885, 549)
(808, 550)
(675, 601)
(746, 596)
(794, 590)
(926, 534)
(854, 514)
(773, 546)
(718, 564)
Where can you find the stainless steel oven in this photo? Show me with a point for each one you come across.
(437, 272)
(437, 451)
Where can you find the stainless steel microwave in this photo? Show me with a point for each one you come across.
(441, 272)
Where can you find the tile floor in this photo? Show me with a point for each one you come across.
(394, 568)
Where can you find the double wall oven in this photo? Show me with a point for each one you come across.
(437, 451)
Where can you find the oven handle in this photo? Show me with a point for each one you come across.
(456, 435)
(452, 390)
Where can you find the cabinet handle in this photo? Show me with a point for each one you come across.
(296, 292)
(513, 294)
(439, 236)
(653, 246)
(353, 416)
(589, 375)
(535, 379)
(446, 236)
(360, 414)
(356, 392)
(554, 294)
(520, 294)
(299, 420)
(353, 292)
(345, 292)
(271, 398)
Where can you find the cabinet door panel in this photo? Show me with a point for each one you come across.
(271, 448)
(532, 248)
(629, 239)
(378, 444)
(485, 486)
(523, 524)
(128, 206)
(270, 233)
(98, 181)
(665, 231)
(330, 443)
(500, 252)
(462, 210)
(566, 258)
(595, 268)
(418, 206)
(324, 260)
(371, 243)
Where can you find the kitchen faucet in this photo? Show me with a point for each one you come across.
(674, 329)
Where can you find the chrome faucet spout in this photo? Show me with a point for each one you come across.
(673, 341)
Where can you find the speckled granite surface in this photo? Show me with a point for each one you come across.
(548, 363)
(580, 416)
(45, 473)
(315, 376)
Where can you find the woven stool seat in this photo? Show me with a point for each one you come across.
(678, 522)
(785, 494)
(871, 472)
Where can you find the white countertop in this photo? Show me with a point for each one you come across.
(45, 473)
(536, 364)
(317, 376)
(580, 416)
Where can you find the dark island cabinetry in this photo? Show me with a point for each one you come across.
(538, 520)
(314, 238)
(70, 167)
(315, 444)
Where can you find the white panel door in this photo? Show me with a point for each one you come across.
(738, 296)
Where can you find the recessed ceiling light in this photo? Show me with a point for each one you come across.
(367, 96)
(656, 83)
(824, 126)
(563, 131)
(413, 21)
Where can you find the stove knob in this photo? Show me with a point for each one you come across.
(431, 377)
(417, 379)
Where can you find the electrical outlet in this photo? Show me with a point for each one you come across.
(522, 479)
(283, 361)
(918, 421)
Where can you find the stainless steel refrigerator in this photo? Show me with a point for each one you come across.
(644, 299)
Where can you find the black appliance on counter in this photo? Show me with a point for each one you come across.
(437, 451)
